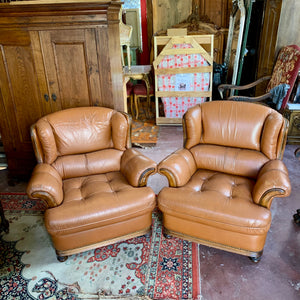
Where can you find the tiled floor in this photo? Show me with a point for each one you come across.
(231, 276)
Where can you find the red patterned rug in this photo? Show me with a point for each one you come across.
(146, 267)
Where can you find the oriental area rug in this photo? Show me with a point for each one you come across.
(146, 267)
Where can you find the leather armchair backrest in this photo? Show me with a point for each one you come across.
(237, 125)
(97, 162)
(79, 131)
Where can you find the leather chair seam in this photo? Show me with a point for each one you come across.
(97, 223)
(186, 217)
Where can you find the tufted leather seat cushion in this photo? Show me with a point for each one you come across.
(102, 206)
(105, 199)
(218, 200)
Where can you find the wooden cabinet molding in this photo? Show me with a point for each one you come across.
(55, 56)
(217, 11)
(42, 16)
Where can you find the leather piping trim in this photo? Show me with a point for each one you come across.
(34, 140)
(170, 176)
(103, 243)
(214, 244)
(144, 177)
(184, 130)
(208, 221)
(282, 146)
(267, 197)
(46, 197)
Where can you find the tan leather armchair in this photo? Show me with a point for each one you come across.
(222, 182)
(93, 182)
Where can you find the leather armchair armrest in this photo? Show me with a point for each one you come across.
(178, 167)
(137, 167)
(272, 181)
(46, 184)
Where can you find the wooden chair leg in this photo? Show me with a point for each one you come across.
(166, 235)
(255, 259)
(136, 106)
(131, 104)
(61, 258)
(149, 107)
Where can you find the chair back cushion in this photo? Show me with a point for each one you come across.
(79, 131)
(239, 137)
(285, 70)
(97, 162)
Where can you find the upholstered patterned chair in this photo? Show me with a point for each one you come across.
(284, 74)
(222, 182)
(92, 181)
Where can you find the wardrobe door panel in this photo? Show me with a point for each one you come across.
(22, 104)
(23, 88)
(71, 67)
(18, 86)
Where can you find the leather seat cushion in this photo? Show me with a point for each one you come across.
(218, 200)
(97, 200)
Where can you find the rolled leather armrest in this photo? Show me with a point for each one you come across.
(178, 167)
(272, 181)
(46, 184)
(137, 167)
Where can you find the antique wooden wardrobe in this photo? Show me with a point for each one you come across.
(54, 56)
